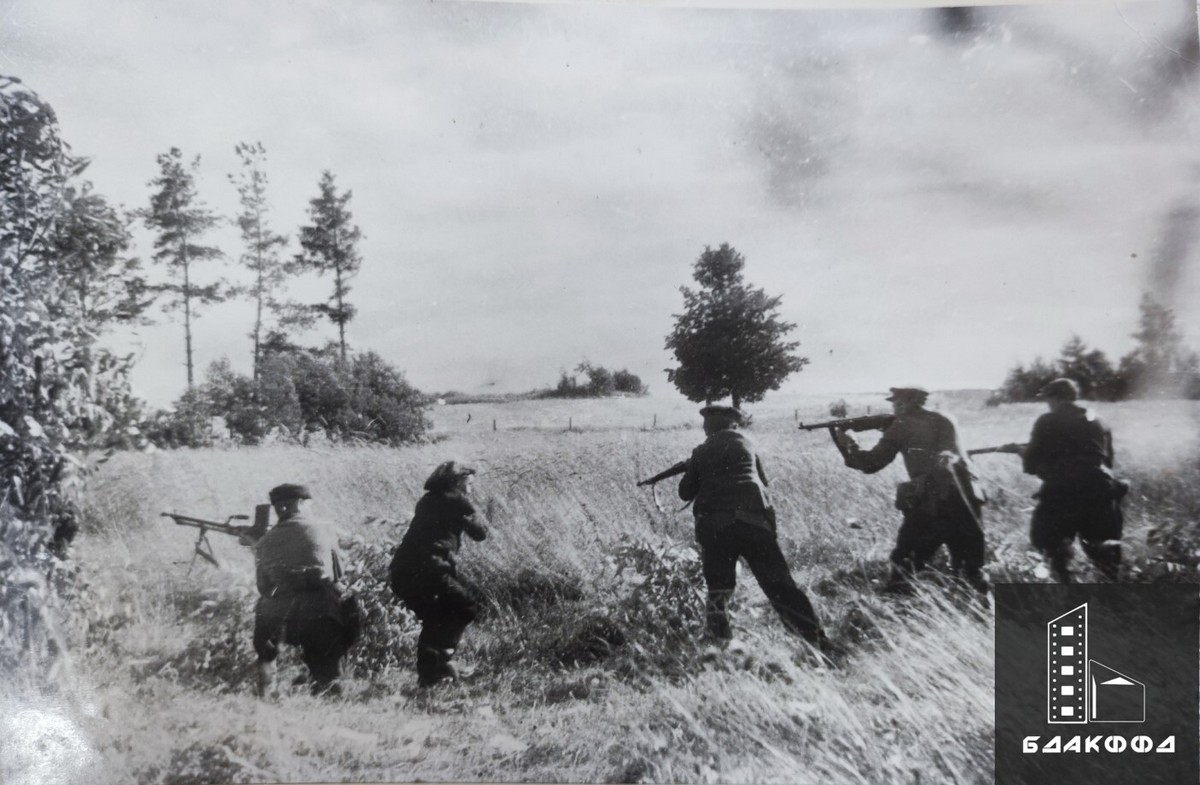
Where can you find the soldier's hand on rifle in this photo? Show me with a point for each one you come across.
(842, 438)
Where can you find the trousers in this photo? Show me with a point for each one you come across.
(722, 543)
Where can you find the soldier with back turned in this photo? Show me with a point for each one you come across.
(1071, 451)
(734, 519)
(299, 603)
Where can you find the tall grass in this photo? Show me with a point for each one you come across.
(589, 663)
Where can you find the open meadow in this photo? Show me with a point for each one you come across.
(589, 666)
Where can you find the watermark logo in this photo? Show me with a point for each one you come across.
(1080, 690)
(1097, 684)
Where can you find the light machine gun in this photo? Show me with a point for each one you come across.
(870, 422)
(247, 535)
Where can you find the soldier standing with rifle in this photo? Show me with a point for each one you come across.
(296, 565)
(725, 479)
(1072, 452)
(938, 502)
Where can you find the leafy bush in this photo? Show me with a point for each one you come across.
(298, 392)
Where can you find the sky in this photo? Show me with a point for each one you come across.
(534, 182)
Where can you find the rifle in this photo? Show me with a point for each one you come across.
(675, 469)
(247, 535)
(870, 422)
(1012, 449)
(678, 468)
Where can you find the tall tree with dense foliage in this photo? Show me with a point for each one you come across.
(261, 245)
(104, 282)
(48, 384)
(729, 340)
(181, 221)
(330, 247)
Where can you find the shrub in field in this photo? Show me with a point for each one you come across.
(299, 391)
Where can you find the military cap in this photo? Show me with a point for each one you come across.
(728, 412)
(1062, 389)
(287, 492)
(446, 474)
(908, 392)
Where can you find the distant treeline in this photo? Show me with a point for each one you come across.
(1160, 365)
(600, 382)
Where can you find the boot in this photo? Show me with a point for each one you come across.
(433, 666)
(1060, 567)
(1106, 556)
(833, 653)
(265, 688)
(899, 581)
(716, 616)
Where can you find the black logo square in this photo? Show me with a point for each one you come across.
(1097, 684)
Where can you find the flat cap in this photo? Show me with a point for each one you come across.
(909, 392)
(729, 412)
(287, 492)
(446, 474)
(1062, 389)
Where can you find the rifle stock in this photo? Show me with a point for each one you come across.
(678, 468)
(870, 422)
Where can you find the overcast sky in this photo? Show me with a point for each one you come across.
(534, 182)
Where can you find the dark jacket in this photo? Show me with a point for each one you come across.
(1070, 447)
(937, 470)
(726, 480)
(293, 569)
(427, 551)
(920, 436)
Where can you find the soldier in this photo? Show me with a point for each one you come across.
(734, 518)
(938, 502)
(1072, 452)
(425, 577)
(299, 603)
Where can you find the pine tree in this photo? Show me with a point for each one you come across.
(262, 245)
(181, 221)
(330, 247)
(729, 341)
(105, 284)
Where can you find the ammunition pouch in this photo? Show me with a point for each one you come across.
(910, 495)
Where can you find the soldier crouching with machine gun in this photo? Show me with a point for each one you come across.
(300, 604)
(938, 502)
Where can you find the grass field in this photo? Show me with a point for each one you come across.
(588, 662)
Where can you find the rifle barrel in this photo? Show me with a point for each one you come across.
(869, 422)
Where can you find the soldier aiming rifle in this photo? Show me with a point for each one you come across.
(938, 502)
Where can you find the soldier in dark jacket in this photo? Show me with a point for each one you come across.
(425, 577)
(1072, 452)
(734, 518)
(298, 602)
(938, 503)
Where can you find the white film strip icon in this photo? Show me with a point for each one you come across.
(1066, 668)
